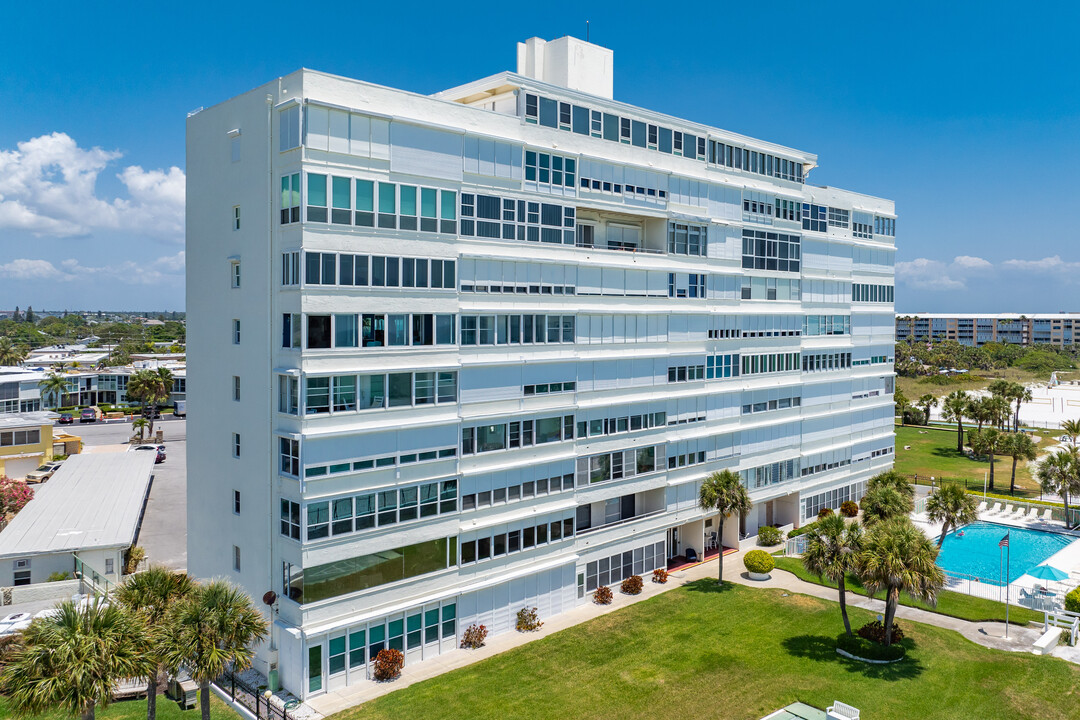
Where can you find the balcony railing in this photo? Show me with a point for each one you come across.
(624, 521)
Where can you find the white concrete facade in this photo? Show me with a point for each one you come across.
(489, 342)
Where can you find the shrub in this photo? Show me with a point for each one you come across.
(632, 585)
(875, 632)
(474, 636)
(868, 649)
(1065, 638)
(767, 536)
(759, 561)
(849, 508)
(603, 595)
(14, 495)
(659, 575)
(134, 555)
(914, 416)
(528, 620)
(1072, 600)
(802, 530)
(824, 513)
(388, 664)
(57, 576)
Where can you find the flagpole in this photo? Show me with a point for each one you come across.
(1008, 555)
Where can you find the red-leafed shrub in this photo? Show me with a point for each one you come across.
(603, 595)
(632, 585)
(474, 636)
(849, 508)
(528, 620)
(659, 575)
(388, 664)
(875, 631)
(824, 513)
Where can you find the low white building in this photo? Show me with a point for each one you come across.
(92, 507)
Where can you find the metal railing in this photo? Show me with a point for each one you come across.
(251, 698)
(605, 526)
(795, 545)
(93, 581)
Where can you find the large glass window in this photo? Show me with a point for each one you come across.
(316, 197)
(365, 571)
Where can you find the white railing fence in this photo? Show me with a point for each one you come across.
(1065, 620)
(795, 545)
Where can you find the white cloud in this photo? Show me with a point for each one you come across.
(969, 262)
(168, 269)
(48, 187)
(926, 274)
(1046, 265)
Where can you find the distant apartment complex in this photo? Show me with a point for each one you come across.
(979, 329)
(461, 354)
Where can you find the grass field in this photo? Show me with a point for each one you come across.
(950, 603)
(136, 710)
(736, 653)
(933, 453)
(914, 388)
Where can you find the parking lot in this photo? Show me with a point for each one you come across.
(164, 528)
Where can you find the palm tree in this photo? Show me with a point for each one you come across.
(211, 630)
(140, 425)
(953, 408)
(724, 492)
(72, 660)
(987, 442)
(1071, 428)
(979, 410)
(1059, 474)
(148, 388)
(898, 556)
(832, 547)
(55, 385)
(150, 595)
(925, 403)
(1019, 446)
(998, 409)
(896, 480)
(902, 403)
(884, 503)
(1021, 394)
(952, 507)
(10, 354)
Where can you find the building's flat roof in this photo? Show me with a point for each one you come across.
(990, 316)
(27, 419)
(93, 501)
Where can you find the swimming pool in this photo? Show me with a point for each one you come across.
(976, 552)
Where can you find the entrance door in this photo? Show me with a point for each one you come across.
(315, 669)
(672, 542)
(769, 513)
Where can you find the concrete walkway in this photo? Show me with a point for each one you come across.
(989, 634)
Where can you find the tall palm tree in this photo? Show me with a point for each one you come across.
(832, 547)
(897, 556)
(1019, 446)
(987, 442)
(925, 403)
(72, 660)
(724, 492)
(10, 353)
(952, 507)
(149, 389)
(149, 595)
(953, 408)
(1021, 394)
(1059, 474)
(54, 385)
(210, 630)
(998, 410)
(140, 424)
(979, 410)
(1071, 428)
(884, 503)
(894, 479)
(902, 403)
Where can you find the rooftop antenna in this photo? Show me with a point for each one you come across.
(586, 31)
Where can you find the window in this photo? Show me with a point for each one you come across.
(686, 373)
(236, 388)
(236, 445)
(236, 502)
(290, 519)
(289, 128)
(234, 273)
(318, 332)
(839, 217)
(316, 198)
(549, 172)
(235, 558)
(770, 251)
(686, 239)
(290, 198)
(236, 219)
(290, 330)
(289, 456)
(814, 217)
(109, 566)
(290, 268)
(236, 332)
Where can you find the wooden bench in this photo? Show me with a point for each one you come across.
(841, 711)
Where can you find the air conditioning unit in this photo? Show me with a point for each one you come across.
(22, 564)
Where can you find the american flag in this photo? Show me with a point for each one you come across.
(1004, 542)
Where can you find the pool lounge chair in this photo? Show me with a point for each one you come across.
(981, 508)
(1007, 511)
(1020, 513)
(1047, 514)
(995, 510)
(1033, 515)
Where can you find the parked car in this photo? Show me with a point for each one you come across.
(65, 419)
(44, 472)
(160, 449)
(148, 412)
(88, 415)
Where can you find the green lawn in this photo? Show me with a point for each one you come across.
(933, 453)
(736, 653)
(950, 603)
(136, 710)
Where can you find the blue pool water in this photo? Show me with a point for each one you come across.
(976, 552)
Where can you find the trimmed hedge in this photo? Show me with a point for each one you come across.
(768, 536)
(759, 561)
(802, 530)
(869, 650)
(1072, 600)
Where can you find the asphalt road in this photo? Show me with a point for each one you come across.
(163, 533)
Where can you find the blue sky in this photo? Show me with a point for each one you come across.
(966, 114)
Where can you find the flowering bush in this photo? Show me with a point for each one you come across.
(849, 508)
(759, 561)
(659, 575)
(824, 513)
(875, 631)
(388, 664)
(13, 495)
(603, 595)
(632, 585)
(528, 620)
(474, 636)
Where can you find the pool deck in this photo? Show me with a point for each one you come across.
(1066, 559)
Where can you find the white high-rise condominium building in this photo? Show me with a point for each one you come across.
(460, 354)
